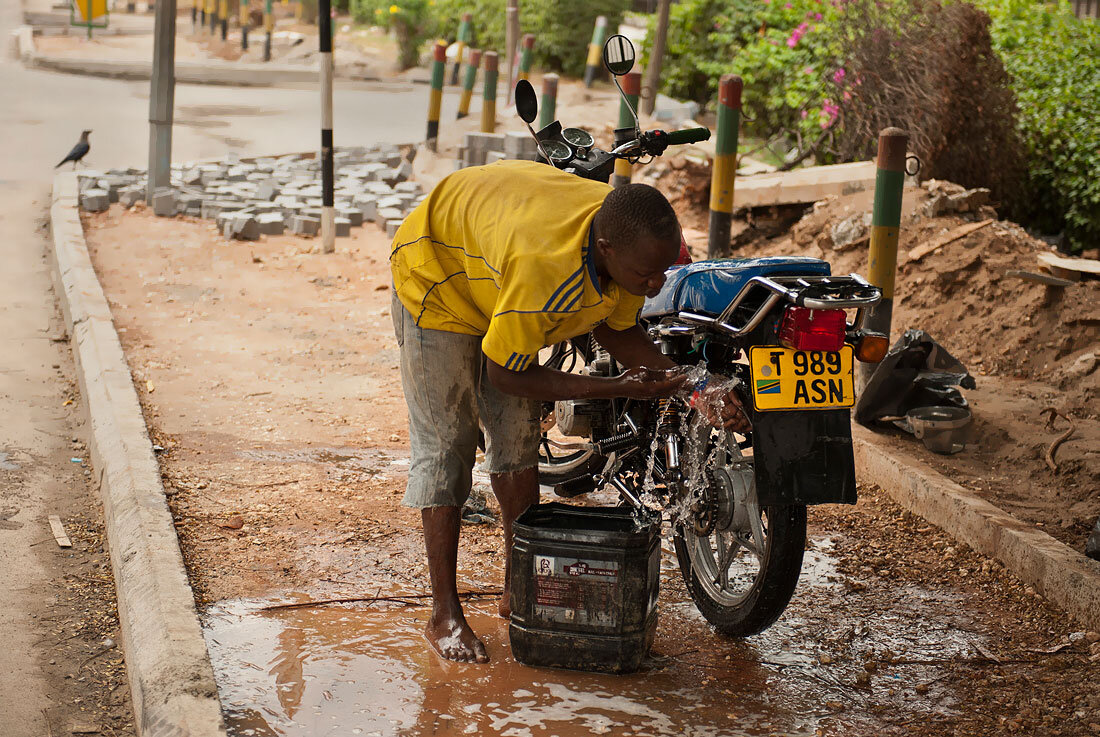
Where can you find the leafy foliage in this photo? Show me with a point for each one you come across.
(1054, 61)
(411, 21)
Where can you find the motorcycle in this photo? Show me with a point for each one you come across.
(773, 330)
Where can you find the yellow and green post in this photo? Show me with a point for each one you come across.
(245, 21)
(882, 262)
(212, 13)
(269, 28)
(465, 27)
(468, 82)
(724, 168)
(526, 55)
(223, 18)
(202, 11)
(194, 15)
(491, 64)
(632, 87)
(595, 51)
(548, 107)
(435, 99)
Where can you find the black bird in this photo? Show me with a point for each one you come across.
(79, 150)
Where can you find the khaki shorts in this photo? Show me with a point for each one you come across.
(447, 391)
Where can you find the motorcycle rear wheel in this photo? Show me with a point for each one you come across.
(748, 611)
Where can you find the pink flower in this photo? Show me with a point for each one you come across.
(788, 6)
(792, 41)
(807, 70)
(804, 114)
(838, 75)
(847, 95)
(817, 16)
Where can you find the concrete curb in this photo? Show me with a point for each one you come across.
(171, 678)
(1065, 577)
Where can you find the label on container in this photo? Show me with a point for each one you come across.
(577, 592)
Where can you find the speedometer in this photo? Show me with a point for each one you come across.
(557, 151)
(578, 137)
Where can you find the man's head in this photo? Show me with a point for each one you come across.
(637, 238)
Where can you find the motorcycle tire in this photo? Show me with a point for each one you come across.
(773, 586)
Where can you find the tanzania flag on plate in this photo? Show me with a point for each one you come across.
(767, 386)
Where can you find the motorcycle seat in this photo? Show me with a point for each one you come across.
(707, 287)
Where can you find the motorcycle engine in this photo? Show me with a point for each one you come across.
(575, 417)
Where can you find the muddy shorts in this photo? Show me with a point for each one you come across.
(448, 392)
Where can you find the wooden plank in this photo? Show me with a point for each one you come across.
(916, 254)
(1050, 281)
(1080, 265)
(59, 532)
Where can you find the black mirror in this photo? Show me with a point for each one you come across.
(618, 55)
(527, 103)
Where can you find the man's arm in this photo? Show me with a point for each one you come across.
(550, 385)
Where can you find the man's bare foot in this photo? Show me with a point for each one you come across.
(450, 636)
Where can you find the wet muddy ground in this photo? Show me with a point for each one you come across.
(268, 376)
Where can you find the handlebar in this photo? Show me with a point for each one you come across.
(690, 135)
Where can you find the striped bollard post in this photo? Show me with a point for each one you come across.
(464, 28)
(245, 22)
(194, 15)
(491, 63)
(269, 28)
(223, 18)
(632, 87)
(548, 106)
(213, 5)
(882, 260)
(468, 82)
(595, 51)
(526, 56)
(435, 98)
(328, 193)
(724, 168)
(202, 12)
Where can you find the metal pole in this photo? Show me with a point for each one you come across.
(464, 29)
(489, 101)
(652, 80)
(435, 97)
(548, 106)
(595, 51)
(724, 168)
(245, 22)
(468, 82)
(328, 197)
(632, 84)
(269, 27)
(882, 261)
(511, 40)
(162, 92)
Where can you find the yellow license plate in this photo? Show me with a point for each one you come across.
(783, 378)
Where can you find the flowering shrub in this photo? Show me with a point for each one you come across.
(410, 20)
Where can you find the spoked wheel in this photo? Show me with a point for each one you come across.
(558, 462)
(740, 561)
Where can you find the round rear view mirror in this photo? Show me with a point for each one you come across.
(618, 55)
(527, 103)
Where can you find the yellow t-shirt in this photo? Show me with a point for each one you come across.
(505, 251)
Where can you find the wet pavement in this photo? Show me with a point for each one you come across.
(364, 669)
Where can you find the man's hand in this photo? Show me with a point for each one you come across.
(721, 407)
(643, 383)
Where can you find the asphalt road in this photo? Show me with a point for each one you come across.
(42, 689)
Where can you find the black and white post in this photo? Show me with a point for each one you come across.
(328, 201)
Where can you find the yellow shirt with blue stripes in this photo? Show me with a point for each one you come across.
(505, 251)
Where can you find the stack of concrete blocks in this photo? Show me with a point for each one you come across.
(486, 148)
(268, 196)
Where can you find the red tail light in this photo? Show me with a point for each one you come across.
(812, 330)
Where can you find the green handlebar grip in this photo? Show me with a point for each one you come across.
(691, 135)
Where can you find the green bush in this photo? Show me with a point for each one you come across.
(1054, 61)
(562, 28)
(411, 21)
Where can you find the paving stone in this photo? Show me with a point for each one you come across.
(129, 196)
(404, 170)
(386, 214)
(242, 227)
(192, 176)
(95, 199)
(379, 188)
(271, 223)
(164, 202)
(352, 214)
(407, 188)
(343, 227)
(392, 226)
(390, 201)
(491, 157)
(305, 225)
(266, 190)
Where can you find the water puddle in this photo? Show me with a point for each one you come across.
(347, 464)
(5, 464)
(364, 669)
